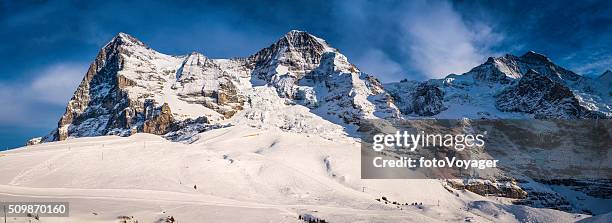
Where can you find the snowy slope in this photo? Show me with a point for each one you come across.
(241, 174)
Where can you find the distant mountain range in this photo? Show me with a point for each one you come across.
(130, 88)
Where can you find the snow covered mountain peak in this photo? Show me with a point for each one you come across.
(298, 42)
(132, 88)
(124, 39)
(486, 92)
(294, 54)
(299, 84)
(533, 57)
(606, 76)
(507, 68)
(301, 39)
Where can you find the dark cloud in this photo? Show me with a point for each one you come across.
(391, 39)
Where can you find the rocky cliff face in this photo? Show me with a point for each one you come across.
(539, 95)
(534, 93)
(102, 104)
(128, 81)
(202, 81)
(424, 99)
(305, 70)
(509, 67)
(159, 122)
(289, 59)
(529, 86)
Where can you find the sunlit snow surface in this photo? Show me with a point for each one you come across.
(242, 174)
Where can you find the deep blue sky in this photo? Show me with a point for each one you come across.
(46, 46)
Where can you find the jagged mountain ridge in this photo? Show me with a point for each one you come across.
(532, 79)
(129, 85)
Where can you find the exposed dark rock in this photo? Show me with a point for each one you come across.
(160, 123)
(34, 141)
(491, 71)
(427, 100)
(297, 50)
(539, 95)
(487, 188)
(424, 99)
(202, 81)
(100, 94)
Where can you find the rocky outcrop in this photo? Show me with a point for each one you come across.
(100, 102)
(539, 95)
(200, 80)
(160, 122)
(414, 98)
(123, 82)
(507, 189)
(509, 67)
(427, 100)
(34, 141)
(298, 52)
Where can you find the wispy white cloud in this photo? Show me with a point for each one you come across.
(427, 39)
(34, 102)
(56, 83)
(378, 63)
(439, 42)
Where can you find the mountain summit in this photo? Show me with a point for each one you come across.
(509, 86)
(300, 83)
(132, 88)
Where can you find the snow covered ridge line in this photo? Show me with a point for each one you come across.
(525, 87)
(132, 88)
(302, 84)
